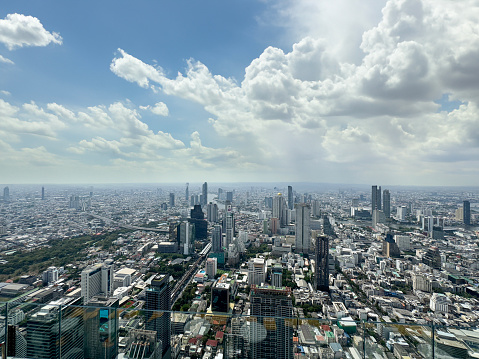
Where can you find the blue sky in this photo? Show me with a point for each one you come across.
(165, 91)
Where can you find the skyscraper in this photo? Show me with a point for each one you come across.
(186, 237)
(303, 240)
(467, 212)
(157, 316)
(216, 239)
(274, 308)
(322, 264)
(279, 209)
(374, 198)
(43, 193)
(6, 194)
(387, 203)
(229, 225)
(378, 199)
(97, 279)
(187, 193)
(256, 271)
(204, 192)
(229, 196)
(212, 212)
(172, 199)
(201, 225)
(290, 198)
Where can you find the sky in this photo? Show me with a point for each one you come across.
(147, 91)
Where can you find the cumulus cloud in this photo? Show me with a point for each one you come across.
(373, 105)
(18, 30)
(159, 109)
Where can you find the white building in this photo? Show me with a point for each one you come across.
(50, 276)
(256, 271)
(421, 282)
(211, 267)
(439, 303)
(403, 242)
(97, 279)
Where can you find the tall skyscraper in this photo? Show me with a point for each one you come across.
(172, 199)
(6, 194)
(212, 212)
(197, 217)
(279, 209)
(303, 239)
(204, 192)
(157, 316)
(97, 279)
(229, 225)
(186, 237)
(322, 264)
(378, 199)
(229, 196)
(187, 193)
(290, 197)
(375, 198)
(216, 239)
(274, 310)
(387, 203)
(43, 193)
(467, 212)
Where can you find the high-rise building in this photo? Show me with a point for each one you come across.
(274, 310)
(186, 237)
(375, 198)
(212, 212)
(101, 328)
(204, 192)
(256, 271)
(378, 199)
(467, 212)
(277, 276)
(217, 239)
(197, 217)
(229, 196)
(43, 193)
(6, 194)
(387, 203)
(172, 199)
(322, 265)
(45, 341)
(229, 226)
(187, 193)
(211, 267)
(220, 295)
(157, 316)
(279, 209)
(327, 227)
(50, 276)
(97, 279)
(290, 197)
(303, 238)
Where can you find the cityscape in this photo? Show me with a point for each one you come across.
(239, 179)
(239, 271)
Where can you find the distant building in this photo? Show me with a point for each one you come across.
(229, 225)
(303, 236)
(186, 237)
(220, 296)
(467, 212)
(290, 198)
(204, 192)
(256, 271)
(387, 203)
(375, 198)
(198, 219)
(229, 196)
(280, 210)
(432, 258)
(211, 267)
(172, 199)
(277, 276)
(322, 264)
(212, 212)
(6, 194)
(50, 276)
(217, 239)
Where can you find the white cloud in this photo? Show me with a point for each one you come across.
(18, 30)
(159, 109)
(134, 70)
(6, 93)
(5, 60)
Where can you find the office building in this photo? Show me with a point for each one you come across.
(327, 227)
(229, 225)
(303, 237)
(157, 316)
(229, 196)
(204, 192)
(274, 310)
(375, 198)
(280, 210)
(172, 199)
(290, 197)
(50, 276)
(212, 212)
(187, 193)
(321, 271)
(220, 295)
(277, 276)
(197, 217)
(101, 328)
(97, 279)
(217, 239)
(466, 212)
(186, 237)
(387, 203)
(432, 258)
(256, 271)
(43, 193)
(45, 341)
(211, 267)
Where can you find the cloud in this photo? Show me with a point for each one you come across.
(159, 109)
(374, 106)
(18, 30)
(5, 60)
